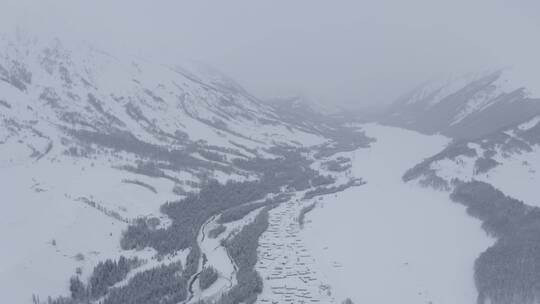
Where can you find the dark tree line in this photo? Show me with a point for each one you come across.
(484, 164)
(451, 152)
(322, 180)
(239, 212)
(208, 276)
(168, 284)
(216, 231)
(108, 273)
(303, 212)
(509, 271)
(332, 189)
(190, 213)
(161, 285)
(140, 183)
(242, 248)
(119, 140)
(104, 276)
(339, 164)
(5, 104)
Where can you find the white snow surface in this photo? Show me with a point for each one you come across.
(529, 124)
(391, 242)
(217, 257)
(45, 201)
(347, 248)
(523, 77)
(147, 99)
(515, 175)
(84, 202)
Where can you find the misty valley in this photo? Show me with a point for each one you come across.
(126, 181)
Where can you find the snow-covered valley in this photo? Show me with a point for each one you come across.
(383, 235)
(127, 181)
(391, 242)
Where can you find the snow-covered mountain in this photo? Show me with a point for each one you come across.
(508, 159)
(52, 92)
(94, 145)
(494, 174)
(469, 106)
(127, 181)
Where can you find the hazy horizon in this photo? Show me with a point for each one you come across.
(339, 53)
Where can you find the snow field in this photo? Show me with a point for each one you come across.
(390, 236)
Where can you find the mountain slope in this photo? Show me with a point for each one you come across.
(501, 158)
(466, 107)
(82, 92)
(113, 158)
(496, 178)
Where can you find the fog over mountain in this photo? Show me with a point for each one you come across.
(241, 152)
(336, 52)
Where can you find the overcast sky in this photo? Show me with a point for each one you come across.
(343, 52)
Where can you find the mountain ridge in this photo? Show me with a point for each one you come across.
(465, 107)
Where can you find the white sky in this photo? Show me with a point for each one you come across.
(336, 51)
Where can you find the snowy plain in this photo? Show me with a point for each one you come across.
(391, 242)
(70, 233)
(359, 243)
